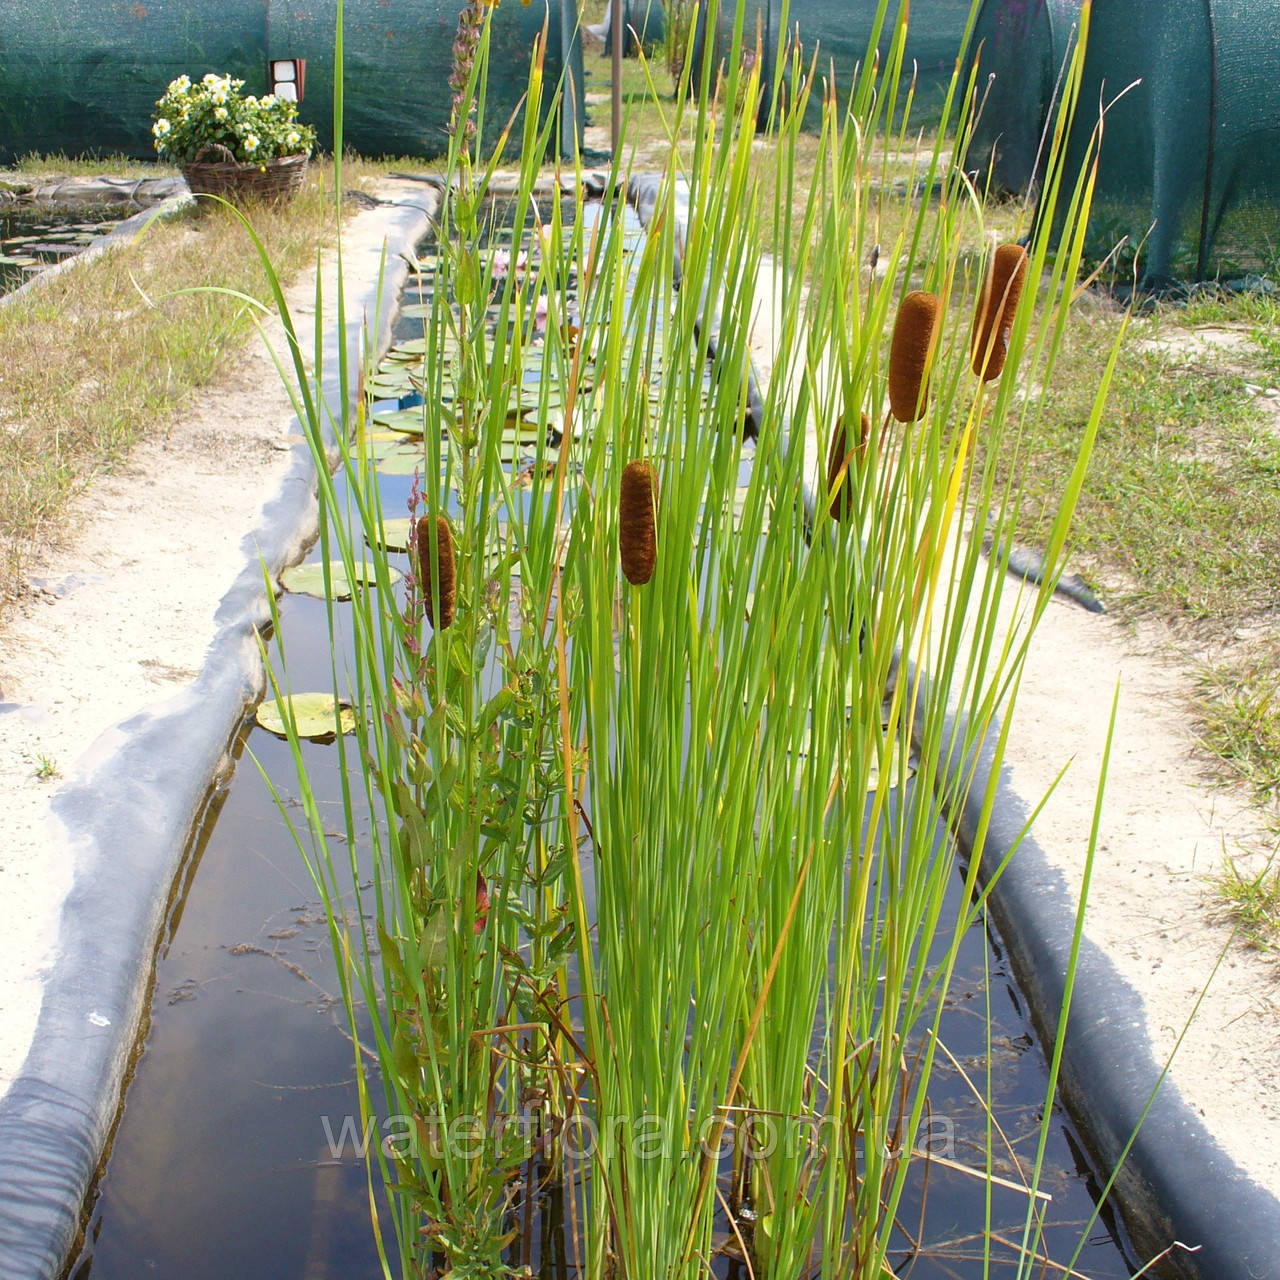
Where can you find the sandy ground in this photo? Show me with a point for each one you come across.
(107, 628)
(1165, 828)
(120, 617)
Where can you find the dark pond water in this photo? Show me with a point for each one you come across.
(236, 1153)
(32, 239)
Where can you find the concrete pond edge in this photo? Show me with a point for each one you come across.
(130, 816)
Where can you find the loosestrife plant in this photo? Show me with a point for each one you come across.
(195, 117)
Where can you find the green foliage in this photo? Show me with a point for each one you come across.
(195, 118)
(639, 866)
(1252, 901)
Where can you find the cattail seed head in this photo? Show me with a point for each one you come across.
(637, 538)
(441, 573)
(842, 454)
(909, 355)
(993, 320)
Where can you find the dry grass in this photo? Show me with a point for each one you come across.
(108, 352)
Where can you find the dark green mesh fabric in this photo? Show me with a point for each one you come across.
(1193, 149)
(840, 31)
(82, 76)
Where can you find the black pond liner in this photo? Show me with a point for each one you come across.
(1177, 1183)
(241, 1109)
(130, 819)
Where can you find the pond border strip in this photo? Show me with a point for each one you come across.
(1177, 1183)
(1177, 1186)
(130, 815)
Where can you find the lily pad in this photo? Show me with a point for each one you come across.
(308, 579)
(400, 462)
(408, 422)
(390, 382)
(410, 350)
(394, 535)
(316, 716)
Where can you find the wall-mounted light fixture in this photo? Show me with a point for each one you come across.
(285, 77)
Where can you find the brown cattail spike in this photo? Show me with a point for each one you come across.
(637, 538)
(442, 576)
(909, 355)
(993, 320)
(840, 488)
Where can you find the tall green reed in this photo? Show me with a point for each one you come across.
(631, 855)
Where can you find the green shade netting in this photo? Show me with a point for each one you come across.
(1193, 148)
(840, 32)
(82, 76)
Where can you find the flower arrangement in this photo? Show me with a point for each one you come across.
(192, 117)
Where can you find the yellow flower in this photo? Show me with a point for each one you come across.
(161, 127)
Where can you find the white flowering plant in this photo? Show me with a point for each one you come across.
(194, 115)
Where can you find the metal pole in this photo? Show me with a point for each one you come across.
(615, 22)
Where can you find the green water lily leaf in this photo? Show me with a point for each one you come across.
(387, 444)
(308, 579)
(317, 716)
(400, 462)
(393, 536)
(520, 430)
(411, 350)
(409, 422)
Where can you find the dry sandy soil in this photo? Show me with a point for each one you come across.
(104, 629)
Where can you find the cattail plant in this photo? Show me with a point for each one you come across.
(435, 574)
(997, 305)
(681, 812)
(637, 540)
(840, 459)
(914, 338)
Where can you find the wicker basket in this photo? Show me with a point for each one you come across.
(275, 179)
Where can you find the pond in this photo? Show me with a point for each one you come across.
(35, 238)
(238, 1148)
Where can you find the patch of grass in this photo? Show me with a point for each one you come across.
(1239, 707)
(108, 352)
(648, 102)
(46, 767)
(61, 166)
(1252, 902)
(1182, 509)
